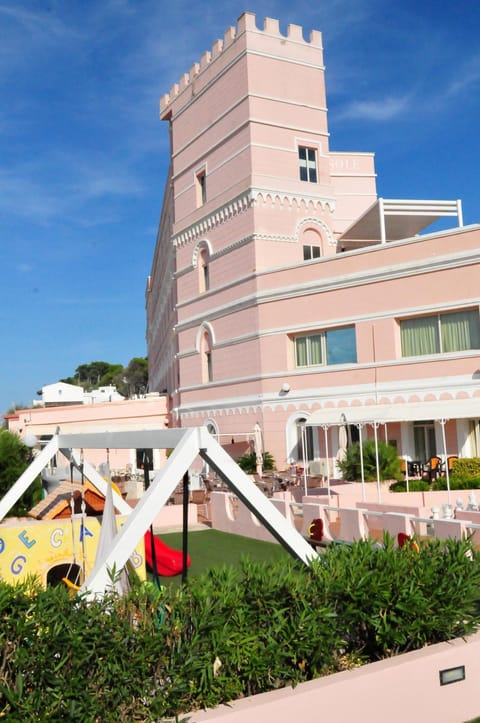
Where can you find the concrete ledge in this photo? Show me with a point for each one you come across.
(403, 688)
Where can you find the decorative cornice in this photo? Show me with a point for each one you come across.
(283, 199)
(201, 227)
(313, 220)
(338, 398)
(254, 197)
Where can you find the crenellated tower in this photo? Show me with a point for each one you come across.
(253, 189)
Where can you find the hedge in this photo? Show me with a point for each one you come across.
(229, 633)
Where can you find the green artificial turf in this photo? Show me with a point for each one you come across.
(212, 548)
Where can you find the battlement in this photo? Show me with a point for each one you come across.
(246, 23)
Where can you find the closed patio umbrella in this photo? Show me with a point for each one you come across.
(258, 444)
(108, 532)
(342, 443)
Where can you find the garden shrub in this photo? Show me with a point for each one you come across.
(389, 463)
(466, 468)
(248, 462)
(414, 485)
(456, 483)
(465, 475)
(14, 460)
(392, 600)
(231, 632)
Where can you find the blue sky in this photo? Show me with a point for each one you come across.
(83, 155)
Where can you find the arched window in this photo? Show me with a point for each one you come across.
(203, 270)
(302, 441)
(201, 261)
(206, 354)
(311, 244)
(212, 428)
(314, 238)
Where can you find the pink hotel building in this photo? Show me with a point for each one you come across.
(283, 291)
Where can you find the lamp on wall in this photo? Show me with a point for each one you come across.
(285, 387)
(452, 675)
(30, 440)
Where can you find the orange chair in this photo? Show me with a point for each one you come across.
(451, 463)
(432, 468)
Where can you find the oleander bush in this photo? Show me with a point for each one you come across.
(159, 653)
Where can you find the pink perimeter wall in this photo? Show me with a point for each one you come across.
(403, 688)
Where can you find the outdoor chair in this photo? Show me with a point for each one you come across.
(432, 468)
(412, 467)
(315, 533)
(450, 464)
(201, 498)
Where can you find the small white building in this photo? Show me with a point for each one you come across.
(102, 394)
(60, 393)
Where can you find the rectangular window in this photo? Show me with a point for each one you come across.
(441, 333)
(334, 346)
(307, 158)
(311, 252)
(341, 347)
(201, 188)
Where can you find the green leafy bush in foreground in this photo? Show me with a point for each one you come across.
(229, 633)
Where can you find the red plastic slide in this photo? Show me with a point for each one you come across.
(169, 562)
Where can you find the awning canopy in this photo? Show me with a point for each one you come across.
(395, 219)
(406, 412)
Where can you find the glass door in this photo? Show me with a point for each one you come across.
(424, 437)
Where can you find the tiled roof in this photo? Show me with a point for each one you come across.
(57, 503)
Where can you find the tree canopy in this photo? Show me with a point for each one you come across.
(129, 380)
(14, 459)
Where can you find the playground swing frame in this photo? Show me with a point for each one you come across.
(187, 445)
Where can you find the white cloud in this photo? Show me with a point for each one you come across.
(38, 23)
(383, 109)
(103, 179)
(466, 77)
(28, 191)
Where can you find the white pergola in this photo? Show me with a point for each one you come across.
(381, 414)
(187, 444)
(395, 219)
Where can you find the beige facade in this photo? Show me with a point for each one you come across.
(282, 286)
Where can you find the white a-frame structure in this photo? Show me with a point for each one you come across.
(187, 444)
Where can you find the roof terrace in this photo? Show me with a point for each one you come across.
(395, 219)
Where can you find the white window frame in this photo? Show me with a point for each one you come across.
(309, 164)
(322, 336)
(311, 252)
(439, 337)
